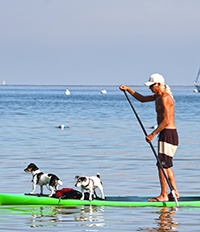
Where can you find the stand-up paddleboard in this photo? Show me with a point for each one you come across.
(113, 201)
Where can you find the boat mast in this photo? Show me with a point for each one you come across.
(197, 76)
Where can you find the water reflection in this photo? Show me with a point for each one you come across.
(44, 216)
(165, 221)
(91, 214)
(87, 216)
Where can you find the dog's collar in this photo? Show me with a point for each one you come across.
(38, 175)
(89, 182)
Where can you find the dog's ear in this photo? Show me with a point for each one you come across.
(76, 177)
(98, 175)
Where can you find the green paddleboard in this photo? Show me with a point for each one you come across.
(123, 201)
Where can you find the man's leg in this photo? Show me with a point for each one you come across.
(163, 184)
(172, 180)
(164, 187)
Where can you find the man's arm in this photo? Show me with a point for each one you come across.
(137, 95)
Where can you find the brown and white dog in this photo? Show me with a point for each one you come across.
(41, 179)
(90, 183)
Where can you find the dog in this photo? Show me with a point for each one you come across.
(90, 183)
(39, 178)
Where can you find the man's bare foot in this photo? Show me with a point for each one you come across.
(158, 199)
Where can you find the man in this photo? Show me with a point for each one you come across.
(166, 130)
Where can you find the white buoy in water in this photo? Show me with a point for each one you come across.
(62, 126)
(103, 91)
(67, 92)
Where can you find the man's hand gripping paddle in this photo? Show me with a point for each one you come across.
(160, 164)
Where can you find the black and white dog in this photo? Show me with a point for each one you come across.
(39, 178)
(90, 183)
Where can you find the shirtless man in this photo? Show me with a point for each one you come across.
(166, 130)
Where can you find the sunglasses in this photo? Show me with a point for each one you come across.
(152, 85)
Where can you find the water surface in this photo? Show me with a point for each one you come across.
(103, 136)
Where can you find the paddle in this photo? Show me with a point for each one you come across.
(154, 152)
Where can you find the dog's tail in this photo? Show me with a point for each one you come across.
(60, 182)
(98, 175)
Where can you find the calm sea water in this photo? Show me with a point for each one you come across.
(102, 135)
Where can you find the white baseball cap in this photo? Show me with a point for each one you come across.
(155, 78)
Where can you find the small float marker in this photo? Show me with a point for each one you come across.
(153, 127)
(62, 126)
(103, 91)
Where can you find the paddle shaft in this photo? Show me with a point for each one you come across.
(153, 149)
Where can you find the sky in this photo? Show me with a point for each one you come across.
(98, 42)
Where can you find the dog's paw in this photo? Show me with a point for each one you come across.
(82, 198)
(31, 193)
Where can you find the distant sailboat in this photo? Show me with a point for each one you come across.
(67, 92)
(4, 83)
(196, 82)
